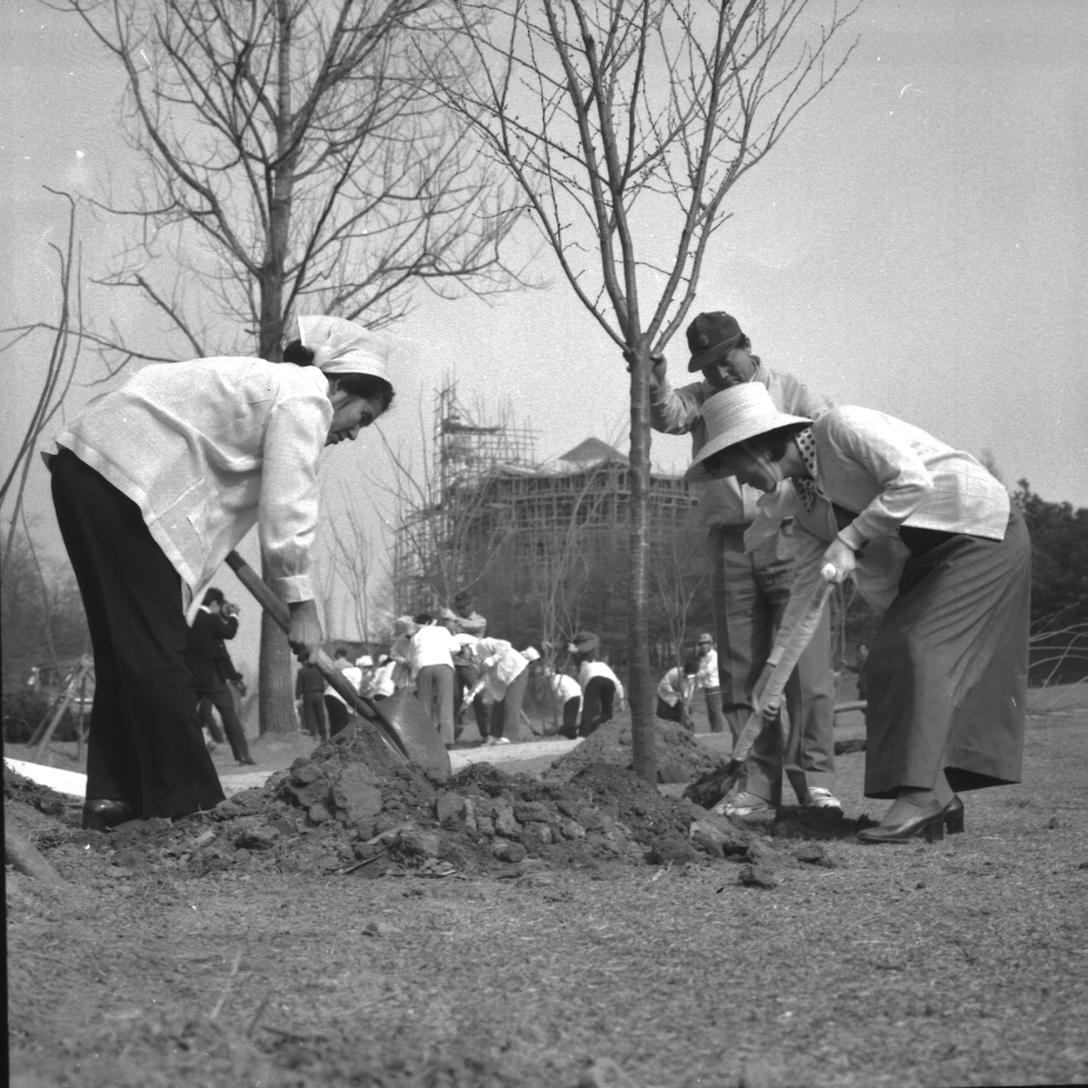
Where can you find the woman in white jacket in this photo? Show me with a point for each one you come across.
(153, 485)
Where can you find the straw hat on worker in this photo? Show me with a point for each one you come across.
(734, 416)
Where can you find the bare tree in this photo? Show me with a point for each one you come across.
(349, 590)
(293, 158)
(677, 576)
(63, 359)
(624, 123)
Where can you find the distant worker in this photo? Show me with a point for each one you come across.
(463, 619)
(216, 620)
(504, 674)
(310, 684)
(708, 680)
(602, 692)
(339, 710)
(430, 656)
(469, 621)
(675, 692)
(381, 684)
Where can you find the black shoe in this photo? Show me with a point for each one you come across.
(101, 815)
(953, 816)
(247, 762)
(928, 825)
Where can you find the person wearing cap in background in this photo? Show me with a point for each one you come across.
(601, 687)
(154, 483)
(503, 673)
(928, 532)
(675, 691)
(750, 586)
(708, 680)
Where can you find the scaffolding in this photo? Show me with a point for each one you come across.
(465, 452)
(539, 544)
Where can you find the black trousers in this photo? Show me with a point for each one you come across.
(597, 700)
(145, 745)
(223, 701)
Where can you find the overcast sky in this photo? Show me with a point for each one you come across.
(917, 243)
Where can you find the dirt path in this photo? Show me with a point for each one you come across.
(960, 963)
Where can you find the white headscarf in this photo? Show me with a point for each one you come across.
(341, 346)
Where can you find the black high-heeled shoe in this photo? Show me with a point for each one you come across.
(928, 825)
(102, 814)
(953, 816)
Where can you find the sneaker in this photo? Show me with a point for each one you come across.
(818, 797)
(744, 805)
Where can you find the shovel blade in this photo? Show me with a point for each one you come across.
(403, 713)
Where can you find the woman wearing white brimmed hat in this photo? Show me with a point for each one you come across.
(947, 669)
(154, 484)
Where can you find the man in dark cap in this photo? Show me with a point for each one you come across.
(750, 582)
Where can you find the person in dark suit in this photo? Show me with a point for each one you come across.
(208, 661)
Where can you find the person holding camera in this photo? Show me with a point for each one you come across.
(205, 650)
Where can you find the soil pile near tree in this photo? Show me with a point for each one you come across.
(352, 806)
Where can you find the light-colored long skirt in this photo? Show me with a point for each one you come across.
(947, 670)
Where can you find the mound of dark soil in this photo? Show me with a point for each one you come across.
(679, 758)
(351, 806)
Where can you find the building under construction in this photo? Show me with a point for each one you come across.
(544, 547)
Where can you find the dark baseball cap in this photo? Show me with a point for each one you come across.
(710, 336)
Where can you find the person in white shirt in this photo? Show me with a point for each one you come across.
(932, 531)
(504, 674)
(675, 691)
(430, 657)
(708, 680)
(567, 702)
(154, 483)
(337, 708)
(381, 684)
(602, 692)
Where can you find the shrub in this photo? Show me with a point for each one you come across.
(24, 710)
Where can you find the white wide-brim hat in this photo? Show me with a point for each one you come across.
(733, 416)
(341, 346)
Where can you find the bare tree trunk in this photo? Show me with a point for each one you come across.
(640, 682)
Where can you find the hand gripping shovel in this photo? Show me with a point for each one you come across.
(400, 719)
(771, 694)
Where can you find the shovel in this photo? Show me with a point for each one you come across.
(401, 720)
(798, 639)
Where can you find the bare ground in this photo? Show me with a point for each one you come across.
(392, 946)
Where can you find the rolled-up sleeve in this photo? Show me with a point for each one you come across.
(295, 435)
(675, 411)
